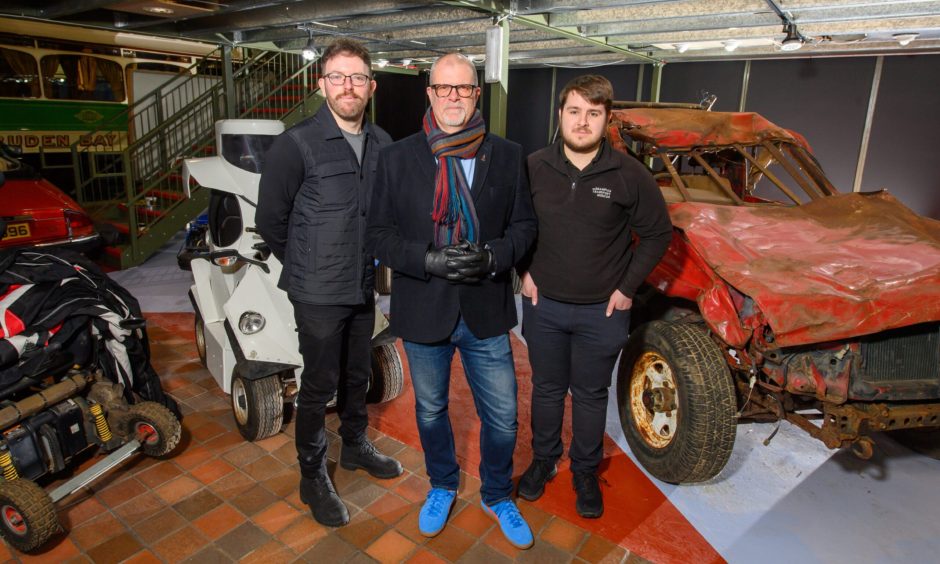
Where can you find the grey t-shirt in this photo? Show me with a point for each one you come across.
(355, 141)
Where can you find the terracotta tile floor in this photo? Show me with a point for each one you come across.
(221, 499)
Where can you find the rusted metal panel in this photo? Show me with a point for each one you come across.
(832, 269)
(676, 128)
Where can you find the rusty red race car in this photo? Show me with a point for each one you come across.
(779, 298)
(33, 212)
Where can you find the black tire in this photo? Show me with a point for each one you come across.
(200, 331)
(27, 515)
(693, 441)
(923, 441)
(258, 406)
(387, 374)
(155, 426)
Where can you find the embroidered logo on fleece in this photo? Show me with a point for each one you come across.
(601, 192)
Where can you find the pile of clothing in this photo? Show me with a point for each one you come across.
(58, 310)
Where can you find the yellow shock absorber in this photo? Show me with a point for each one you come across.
(104, 432)
(6, 464)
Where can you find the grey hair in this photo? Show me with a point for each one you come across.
(461, 58)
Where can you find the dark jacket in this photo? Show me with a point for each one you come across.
(425, 309)
(587, 219)
(312, 206)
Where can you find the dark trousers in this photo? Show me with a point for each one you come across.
(571, 346)
(336, 345)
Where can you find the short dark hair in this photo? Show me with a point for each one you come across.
(592, 87)
(345, 46)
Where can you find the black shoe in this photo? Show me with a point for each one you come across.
(327, 508)
(363, 455)
(589, 504)
(532, 483)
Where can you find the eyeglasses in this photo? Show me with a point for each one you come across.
(339, 79)
(444, 90)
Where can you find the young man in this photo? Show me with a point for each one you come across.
(313, 199)
(451, 215)
(579, 285)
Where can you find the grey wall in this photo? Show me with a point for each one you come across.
(902, 152)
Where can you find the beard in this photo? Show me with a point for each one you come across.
(582, 145)
(347, 108)
(452, 120)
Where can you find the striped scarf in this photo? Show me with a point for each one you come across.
(455, 218)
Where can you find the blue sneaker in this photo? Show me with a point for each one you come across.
(434, 512)
(514, 527)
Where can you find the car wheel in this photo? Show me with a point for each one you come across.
(155, 426)
(387, 374)
(677, 402)
(924, 441)
(258, 406)
(27, 514)
(200, 330)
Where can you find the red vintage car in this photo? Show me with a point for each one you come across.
(33, 212)
(779, 298)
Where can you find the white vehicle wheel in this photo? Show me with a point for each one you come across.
(387, 374)
(258, 406)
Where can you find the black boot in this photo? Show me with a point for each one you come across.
(327, 508)
(589, 502)
(363, 455)
(532, 483)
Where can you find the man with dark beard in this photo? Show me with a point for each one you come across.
(578, 288)
(313, 199)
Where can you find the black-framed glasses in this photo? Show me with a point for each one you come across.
(444, 90)
(339, 79)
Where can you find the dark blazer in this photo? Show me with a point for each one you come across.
(425, 308)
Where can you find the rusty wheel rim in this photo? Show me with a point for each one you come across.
(651, 381)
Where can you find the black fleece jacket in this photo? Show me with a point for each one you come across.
(587, 220)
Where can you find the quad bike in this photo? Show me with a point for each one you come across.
(244, 324)
(46, 424)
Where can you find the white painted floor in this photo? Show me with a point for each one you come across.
(794, 501)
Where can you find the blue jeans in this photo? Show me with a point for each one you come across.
(488, 366)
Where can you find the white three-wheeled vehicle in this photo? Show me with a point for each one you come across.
(245, 330)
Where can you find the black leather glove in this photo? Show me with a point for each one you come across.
(474, 264)
(437, 262)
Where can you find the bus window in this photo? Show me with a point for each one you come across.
(19, 75)
(82, 77)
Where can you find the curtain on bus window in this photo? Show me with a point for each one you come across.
(114, 74)
(50, 66)
(86, 73)
(19, 75)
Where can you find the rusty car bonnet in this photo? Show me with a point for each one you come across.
(679, 128)
(838, 267)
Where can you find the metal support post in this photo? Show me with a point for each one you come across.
(499, 91)
(229, 78)
(869, 117)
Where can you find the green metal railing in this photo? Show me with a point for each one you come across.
(139, 189)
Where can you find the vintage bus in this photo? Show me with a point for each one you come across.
(58, 83)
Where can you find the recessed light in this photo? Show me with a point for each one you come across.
(730, 45)
(905, 38)
(161, 10)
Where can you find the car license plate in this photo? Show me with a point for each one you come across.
(17, 231)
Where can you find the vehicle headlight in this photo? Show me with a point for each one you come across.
(250, 322)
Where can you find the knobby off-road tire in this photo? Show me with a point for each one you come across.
(27, 515)
(155, 426)
(258, 406)
(387, 374)
(679, 366)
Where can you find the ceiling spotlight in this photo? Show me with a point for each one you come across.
(310, 52)
(405, 62)
(793, 40)
(682, 47)
(382, 63)
(730, 45)
(161, 10)
(905, 38)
